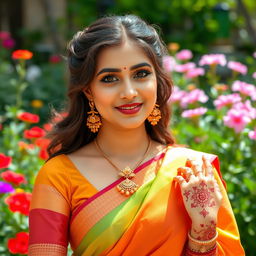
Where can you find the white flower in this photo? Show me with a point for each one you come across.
(33, 72)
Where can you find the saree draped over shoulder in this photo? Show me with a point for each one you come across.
(66, 208)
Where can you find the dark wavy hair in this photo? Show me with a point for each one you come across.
(71, 133)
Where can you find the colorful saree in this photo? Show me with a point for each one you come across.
(153, 221)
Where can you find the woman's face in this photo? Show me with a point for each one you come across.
(124, 88)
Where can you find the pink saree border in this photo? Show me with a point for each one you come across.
(112, 185)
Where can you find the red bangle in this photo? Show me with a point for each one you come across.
(211, 252)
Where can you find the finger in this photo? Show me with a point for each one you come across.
(197, 169)
(187, 172)
(180, 180)
(208, 167)
(217, 188)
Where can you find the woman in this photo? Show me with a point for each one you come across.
(168, 200)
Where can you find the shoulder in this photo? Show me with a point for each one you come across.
(55, 170)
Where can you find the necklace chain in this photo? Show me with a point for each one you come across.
(110, 161)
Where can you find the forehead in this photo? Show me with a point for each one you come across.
(124, 55)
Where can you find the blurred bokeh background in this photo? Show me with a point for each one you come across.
(223, 126)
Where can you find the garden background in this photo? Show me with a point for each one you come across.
(212, 59)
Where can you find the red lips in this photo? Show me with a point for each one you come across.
(129, 109)
(129, 105)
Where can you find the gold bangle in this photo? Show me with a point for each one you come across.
(204, 242)
(202, 246)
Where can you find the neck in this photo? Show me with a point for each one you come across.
(123, 145)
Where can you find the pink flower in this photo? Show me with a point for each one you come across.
(177, 95)
(169, 63)
(194, 112)
(193, 96)
(247, 108)
(184, 55)
(244, 88)
(4, 35)
(254, 54)
(213, 59)
(252, 134)
(195, 72)
(238, 67)
(236, 119)
(185, 67)
(254, 75)
(226, 100)
(8, 43)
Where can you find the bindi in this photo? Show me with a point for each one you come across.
(124, 68)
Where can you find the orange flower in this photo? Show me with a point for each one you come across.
(36, 103)
(23, 145)
(5, 160)
(22, 54)
(34, 132)
(191, 87)
(28, 117)
(173, 47)
(221, 87)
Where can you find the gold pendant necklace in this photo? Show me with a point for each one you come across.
(126, 187)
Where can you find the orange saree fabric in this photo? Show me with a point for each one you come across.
(66, 208)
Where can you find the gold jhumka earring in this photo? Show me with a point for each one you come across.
(155, 115)
(93, 119)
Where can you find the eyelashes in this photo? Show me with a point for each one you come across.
(141, 74)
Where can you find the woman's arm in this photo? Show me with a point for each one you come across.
(49, 213)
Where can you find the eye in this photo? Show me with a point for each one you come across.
(142, 74)
(109, 79)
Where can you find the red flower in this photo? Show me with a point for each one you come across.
(4, 160)
(13, 177)
(48, 127)
(42, 142)
(43, 154)
(19, 244)
(22, 54)
(19, 202)
(59, 117)
(28, 117)
(34, 132)
(55, 59)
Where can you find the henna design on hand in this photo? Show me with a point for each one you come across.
(207, 232)
(201, 196)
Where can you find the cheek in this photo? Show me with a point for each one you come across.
(150, 89)
(103, 98)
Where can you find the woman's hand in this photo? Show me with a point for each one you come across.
(201, 196)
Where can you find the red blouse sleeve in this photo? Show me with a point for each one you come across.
(49, 211)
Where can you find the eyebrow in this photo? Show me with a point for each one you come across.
(119, 70)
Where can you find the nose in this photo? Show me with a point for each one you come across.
(128, 90)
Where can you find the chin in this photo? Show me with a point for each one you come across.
(132, 125)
